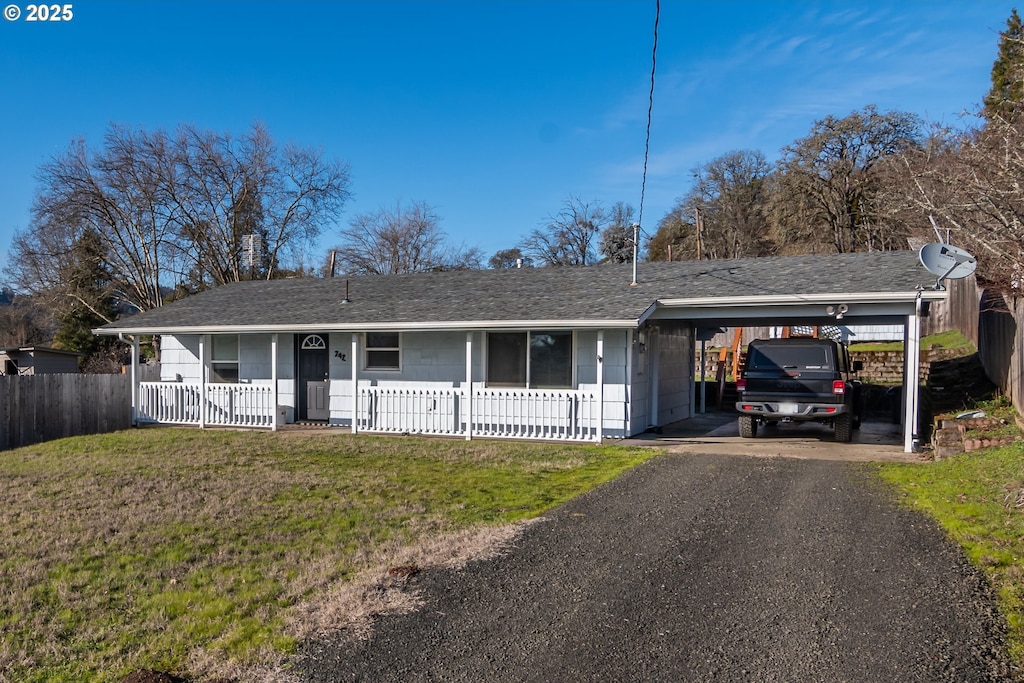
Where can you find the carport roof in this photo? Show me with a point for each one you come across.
(563, 297)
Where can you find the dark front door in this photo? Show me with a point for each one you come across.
(313, 394)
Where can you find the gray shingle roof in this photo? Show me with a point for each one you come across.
(594, 294)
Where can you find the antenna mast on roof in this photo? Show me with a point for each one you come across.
(647, 142)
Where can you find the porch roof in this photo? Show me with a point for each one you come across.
(560, 298)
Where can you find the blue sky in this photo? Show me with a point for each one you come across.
(492, 112)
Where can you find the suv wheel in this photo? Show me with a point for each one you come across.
(748, 427)
(844, 427)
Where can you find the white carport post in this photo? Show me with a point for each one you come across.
(467, 408)
(355, 383)
(600, 386)
(911, 374)
(273, 382)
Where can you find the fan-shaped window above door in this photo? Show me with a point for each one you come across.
(314, 341)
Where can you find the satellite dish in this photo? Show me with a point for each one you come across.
(947, 261)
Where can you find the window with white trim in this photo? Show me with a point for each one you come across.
(383, 351)
(224, 358)
(538, 360)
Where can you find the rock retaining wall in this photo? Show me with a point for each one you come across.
(880, 367)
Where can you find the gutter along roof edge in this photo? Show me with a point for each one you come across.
(374, 327)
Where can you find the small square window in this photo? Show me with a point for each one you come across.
(383, 351)
(224, 359)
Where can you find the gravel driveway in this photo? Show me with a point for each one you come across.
(700, 568)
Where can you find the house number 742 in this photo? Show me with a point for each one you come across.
(339, 354)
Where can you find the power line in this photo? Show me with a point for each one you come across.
(637, 227)
(650, 109)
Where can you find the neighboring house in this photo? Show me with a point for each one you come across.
(37, 360)
(578, 354)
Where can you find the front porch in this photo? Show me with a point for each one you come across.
(542, 414)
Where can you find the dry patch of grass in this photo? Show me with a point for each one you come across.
(213, 552)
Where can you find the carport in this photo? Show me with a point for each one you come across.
(877, 289)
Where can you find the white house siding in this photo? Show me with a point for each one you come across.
(179, 362)
(870, 333)
(179, 358)
(615, 409)
(428, 359)
(663, 358)
(640, 385)
(675, 374)
(438, 359)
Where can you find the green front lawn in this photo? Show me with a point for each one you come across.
(208, 552)
(978, 497)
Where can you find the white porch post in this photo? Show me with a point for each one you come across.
(202, 381)
(911, 374)
(355, 383)
(600, 386)
(467, 409)
(135, 381)
(273, 382)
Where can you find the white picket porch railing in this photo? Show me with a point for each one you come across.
(409, 411)
(224, 405)
(557, 415)
(547, 414)
(543, 414)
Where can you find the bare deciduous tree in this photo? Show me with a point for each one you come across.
(568, 237)
(825, 191)
(730, 193)
(400, 240)
(675, 239)
(508, 258)
(974, 186)
(616, 244)
(171, 210)
(23, 322)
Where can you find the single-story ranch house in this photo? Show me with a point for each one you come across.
(578, 354)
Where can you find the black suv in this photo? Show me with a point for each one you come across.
(799, 380)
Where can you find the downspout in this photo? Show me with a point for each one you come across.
(135, 376)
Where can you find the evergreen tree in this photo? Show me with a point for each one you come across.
(1006, 97)
(91, 300)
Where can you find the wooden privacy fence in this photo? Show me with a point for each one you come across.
(994, 321)
(35, 408)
